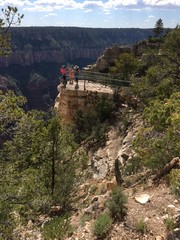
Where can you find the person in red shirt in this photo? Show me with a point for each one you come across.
(63, 73)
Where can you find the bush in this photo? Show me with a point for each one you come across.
(133, 166)
(117, 204)
(102, 225)
(57, 228)
(169, 222)
(91, 125)
(141, 226)
(174, 178)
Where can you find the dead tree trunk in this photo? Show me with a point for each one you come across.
(117, 172)
(175, 163)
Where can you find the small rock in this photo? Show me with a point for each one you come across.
(171, 206)
(142, 198)
(159, 238)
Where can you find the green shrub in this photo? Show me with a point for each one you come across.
(91, 125)
(141, 226)
(85, 218)
(117, 204)
(174, 178)
(133, 166)
(104, 109)
(57, 229)
(169, 222)
(102, 225)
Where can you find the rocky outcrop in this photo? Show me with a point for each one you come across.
(111, 54)
(69, 100)
(108, 58)
(141, 47)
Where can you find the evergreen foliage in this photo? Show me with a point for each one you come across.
(63, 38)
(174, 179)
(57, 228)
(162, 77)
(125, 66)
(102, 225)
(158, 28)
(91, 125)
(159, 90)
(10, 17)
(37, 168)
(141, 226)
(117, 204)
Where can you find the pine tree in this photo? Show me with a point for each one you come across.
(158, 28)
(11, 17)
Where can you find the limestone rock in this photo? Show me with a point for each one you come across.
(142, 198)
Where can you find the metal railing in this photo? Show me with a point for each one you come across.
(103, 78)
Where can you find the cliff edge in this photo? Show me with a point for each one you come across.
(71, 100)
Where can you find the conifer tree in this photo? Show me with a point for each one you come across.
(10, 17)
(158, 28)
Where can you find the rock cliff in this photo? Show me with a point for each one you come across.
(31, 45)
(28, 58)
(111, 54)
(69, 100)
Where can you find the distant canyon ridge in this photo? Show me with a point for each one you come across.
(38, 52)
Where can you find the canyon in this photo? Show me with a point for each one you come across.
(38, 53)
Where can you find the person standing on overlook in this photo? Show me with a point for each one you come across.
(71, 74)
(76, 75)
(63, 73)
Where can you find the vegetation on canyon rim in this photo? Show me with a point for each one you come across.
(38, 164)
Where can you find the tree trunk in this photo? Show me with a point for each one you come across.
(118, 176)
(175, 163)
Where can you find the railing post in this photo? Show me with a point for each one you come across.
(84, 84)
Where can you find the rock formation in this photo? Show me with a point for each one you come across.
(111, 54)
(69, 100)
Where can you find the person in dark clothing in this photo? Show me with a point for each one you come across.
(76, 76)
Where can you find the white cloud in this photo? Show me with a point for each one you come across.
(106, 11)
(162, 2)
(89, 5)
(88, 10)
(51, 14)
(151, 16)
(17, 3)
(120, 3)
(92, 4)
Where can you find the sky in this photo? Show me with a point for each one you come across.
(97, 13)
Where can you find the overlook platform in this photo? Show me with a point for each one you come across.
(93, 86)
(85, 85)
(96, 81)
